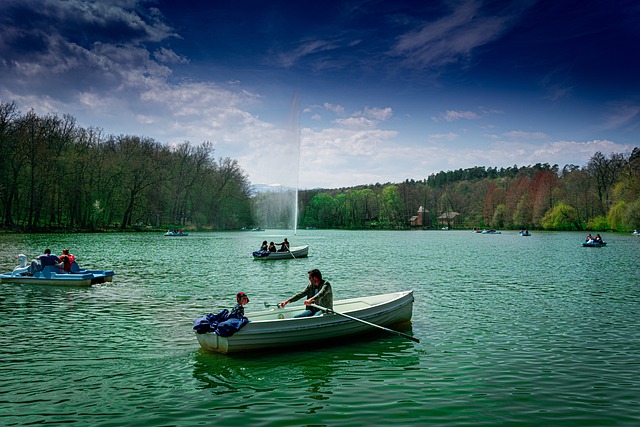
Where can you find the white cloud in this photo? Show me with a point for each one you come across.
(452, 116)
(451, 38)
(622, 114)
(167, 56)
(518, 134)
(356, 123)
(290, 58)
(379, 114)
(335, 108)
(451, 136)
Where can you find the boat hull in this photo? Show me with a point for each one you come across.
(295, 252)
(53, 276)
(594, 244)
(277, 329)
(100, 276)
(64, 279)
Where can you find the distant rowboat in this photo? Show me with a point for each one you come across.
(294, 252)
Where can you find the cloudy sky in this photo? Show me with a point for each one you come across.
(365, 91)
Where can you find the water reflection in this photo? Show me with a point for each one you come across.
(314, 372)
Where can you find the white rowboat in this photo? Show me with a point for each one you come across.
(276, 327)
(294, 252)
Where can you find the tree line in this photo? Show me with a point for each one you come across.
(55, 174)
(603, 195)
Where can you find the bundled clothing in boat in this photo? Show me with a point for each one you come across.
(223, 323)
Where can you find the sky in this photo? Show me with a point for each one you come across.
(336, 94)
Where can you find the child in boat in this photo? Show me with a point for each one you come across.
(238, 310)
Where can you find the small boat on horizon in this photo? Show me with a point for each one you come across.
(593, 244)
(491, 232)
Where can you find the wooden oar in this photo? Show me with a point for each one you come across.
(328, 310)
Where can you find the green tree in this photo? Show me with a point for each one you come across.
(561, 217)
(605, 172)
(321, 212)
(390, 205)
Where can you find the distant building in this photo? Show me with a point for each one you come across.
(421, 219)
(450, 219)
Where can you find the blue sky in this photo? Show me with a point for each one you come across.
(370, 91)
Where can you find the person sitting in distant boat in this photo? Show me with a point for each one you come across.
(272, 247)
(67, 259)
(598, 239)
(318, 291)
(589, 238)
(264, 246)
(284, 246)
(47, 258)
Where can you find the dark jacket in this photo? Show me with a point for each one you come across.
(323, 295)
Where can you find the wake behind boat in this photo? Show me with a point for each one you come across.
(276, 327)
(294, 252)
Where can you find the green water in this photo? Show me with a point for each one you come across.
(514, 331)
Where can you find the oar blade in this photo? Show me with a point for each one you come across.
(328, 310)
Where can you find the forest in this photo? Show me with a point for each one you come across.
(58, 176)
(603, 195)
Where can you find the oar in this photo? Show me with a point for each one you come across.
(290, 253)
(328, 310)
(267, 305)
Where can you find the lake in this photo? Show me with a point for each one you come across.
(514, 330)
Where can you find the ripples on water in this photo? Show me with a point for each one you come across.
(514, 330)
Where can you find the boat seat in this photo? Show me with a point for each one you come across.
(49, 269)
